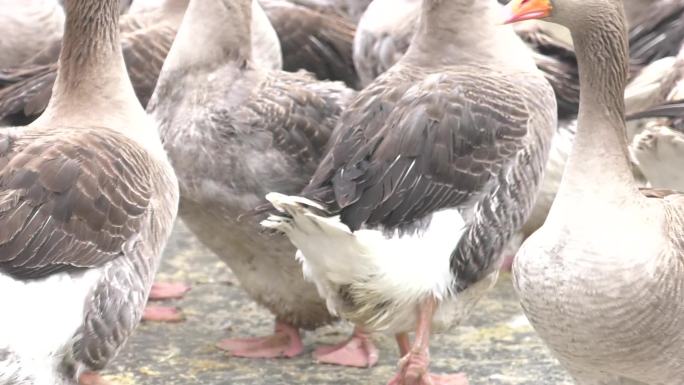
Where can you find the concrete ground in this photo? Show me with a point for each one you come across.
(495, 346)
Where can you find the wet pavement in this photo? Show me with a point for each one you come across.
(495, 346)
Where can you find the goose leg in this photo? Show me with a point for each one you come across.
(403, 343)
(358, 351)
(413, 367)
(166, 314)
(164, 291)
(284, 342)
(92, 378)
(168, 290)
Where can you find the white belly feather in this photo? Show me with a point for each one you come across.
(39, 319)
(397, 270)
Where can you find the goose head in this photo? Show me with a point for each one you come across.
(573, 14)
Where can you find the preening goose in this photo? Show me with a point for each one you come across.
(87, 202)
(434, 166)
(234, 131)
(602, 280)
(146, 39)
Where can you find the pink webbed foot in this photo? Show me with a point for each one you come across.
(168, 290)
(92, 378)
(413, 370)
(285, 342)
(358, 351)
(162, 314)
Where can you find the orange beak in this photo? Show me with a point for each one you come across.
(519, 10)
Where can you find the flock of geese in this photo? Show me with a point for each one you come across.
(372, 161)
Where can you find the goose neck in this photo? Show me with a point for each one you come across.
(92, 73)
(599, 168)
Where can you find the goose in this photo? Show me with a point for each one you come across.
(432, 169)
(235, 130)
(315, 40)
(87, 202)
(604, 293)
(146, 40)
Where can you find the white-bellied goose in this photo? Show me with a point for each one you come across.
(315, 40)
(87, 202)
(435, 165)
(234, 131)
(602, 280)
(146, 39)
(384, 33)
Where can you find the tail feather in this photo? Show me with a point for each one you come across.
(327, 244)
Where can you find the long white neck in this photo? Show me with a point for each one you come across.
(598, 170)
(465, 31)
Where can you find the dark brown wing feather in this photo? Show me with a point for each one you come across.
(26, 92)
(318, 42)
(672, 110)
(69, 199)
(299, 111)
(656, 34)
(435, 149)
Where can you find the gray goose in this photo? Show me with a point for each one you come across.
(87, 202)
(433, 167)
(146, 40)
(602, 280)
(386, 28)
(234, 131)
(315, 40)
